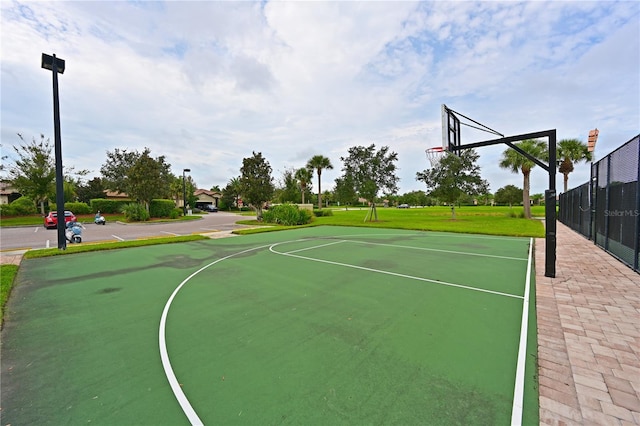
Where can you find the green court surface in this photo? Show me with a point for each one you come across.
(325, 325)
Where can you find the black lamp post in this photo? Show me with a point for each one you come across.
(184, 191)
(56, 65)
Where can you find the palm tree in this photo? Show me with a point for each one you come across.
(571, 151)
(318, 163)
(303, 176)
(516, 162)
(234, 186)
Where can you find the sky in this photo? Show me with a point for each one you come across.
(207, 83)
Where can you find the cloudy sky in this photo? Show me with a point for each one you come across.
(205, 83)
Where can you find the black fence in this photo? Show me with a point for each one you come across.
(607, 209)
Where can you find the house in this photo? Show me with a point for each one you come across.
(206, 197)
(8, 194)
(115, 195)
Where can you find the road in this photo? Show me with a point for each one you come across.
(36, 237)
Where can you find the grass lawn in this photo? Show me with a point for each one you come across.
(469, 219)
(7, 274)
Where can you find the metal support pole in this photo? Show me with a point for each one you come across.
(184, 191)
(550, 212)
(184, 195)
(62, 241)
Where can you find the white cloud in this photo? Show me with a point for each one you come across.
(206, 83)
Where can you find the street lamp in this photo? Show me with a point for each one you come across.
(56, 65)
(184, 191)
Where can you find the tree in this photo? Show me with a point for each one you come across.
(516, 162)
(571, 151)
(319, 163)
(537, 199)
(486, 198)
(138, 175)
(287, 192)
(33, 174)
(344, 192)
(91, 190)
(303, 176)
(508, 195)
(453, 177)
(370, 171)
(231, 192)
(256, 184)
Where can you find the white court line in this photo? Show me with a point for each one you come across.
(442, 251)
(164, 354)
(445, 283)
(117, 238)
(518, 393)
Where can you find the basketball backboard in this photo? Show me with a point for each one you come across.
(450, 130)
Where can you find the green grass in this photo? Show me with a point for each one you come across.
(84, 248)
(7, 274)
(469, 219)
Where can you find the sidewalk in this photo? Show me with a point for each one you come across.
(588, 336)
(11, 257)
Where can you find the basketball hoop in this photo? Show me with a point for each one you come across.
(434, 155)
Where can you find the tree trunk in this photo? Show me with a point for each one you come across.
(453, 211)
(566, 182)
(319, 191)
(525, 195)
(259, 213)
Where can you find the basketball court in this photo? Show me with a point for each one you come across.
(331, 325)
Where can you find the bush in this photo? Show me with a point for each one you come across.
(135, 212)
(78, 208)
(176, 212)
(516, 215)
(107, 206)
(161, 208)
(323, 212)
(287, 214)
(23, 206)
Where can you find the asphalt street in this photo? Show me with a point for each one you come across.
(36, 237)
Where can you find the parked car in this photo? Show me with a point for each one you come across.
(51, 220)
(403, 206)
(210, 208)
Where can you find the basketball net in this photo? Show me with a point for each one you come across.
(434, 155)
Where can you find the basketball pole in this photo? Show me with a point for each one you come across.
(550, 194)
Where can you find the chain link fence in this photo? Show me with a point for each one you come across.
(607, 209)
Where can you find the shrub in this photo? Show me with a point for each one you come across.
(78, 208)
(161, 208)
(176, 212)
(23, 206)
(107, 206)
(323, 212)
(287, 214)
(135, 212)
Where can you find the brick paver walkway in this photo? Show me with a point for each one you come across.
(588, 336)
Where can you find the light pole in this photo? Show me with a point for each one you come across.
(56, 65)
(184, 191)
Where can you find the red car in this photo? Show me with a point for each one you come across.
(51, 220)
